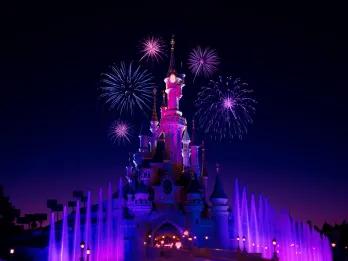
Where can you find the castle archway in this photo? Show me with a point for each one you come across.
(167, 235)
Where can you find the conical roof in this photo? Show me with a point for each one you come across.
(154, 116)
(171, 68)
(218, 191)
(185, 136)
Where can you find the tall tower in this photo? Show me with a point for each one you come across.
(220, 212)
(194, 148)
(172, 122)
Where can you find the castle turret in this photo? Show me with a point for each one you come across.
(194, 148)
(220, 212)
(154, 123)
(186, 150)
(129, 167)
(204, 174)
(193, 203)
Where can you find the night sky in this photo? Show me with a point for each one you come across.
(53, 133)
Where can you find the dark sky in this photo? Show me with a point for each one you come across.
(53, 129)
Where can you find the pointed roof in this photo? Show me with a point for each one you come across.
(185, 136)
(164, 104)
(193, 134)
(171, 68)
(154, 116)
(204, 170)
(218, 191)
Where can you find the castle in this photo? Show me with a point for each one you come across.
(166, 189)
(162, 202)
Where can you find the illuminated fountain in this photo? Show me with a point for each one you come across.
(101, 242)
(259, 228)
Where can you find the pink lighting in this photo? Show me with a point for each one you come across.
(172, 78)
(152, 48)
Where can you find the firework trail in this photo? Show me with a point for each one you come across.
(225, 108)
(203, 62)
(120, 132)
(126, 88)
(152, 48)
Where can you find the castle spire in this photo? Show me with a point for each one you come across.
(193, 134)
(172, 58)
(204, 172)
(164, 104)
(218, 192)
(154, 117)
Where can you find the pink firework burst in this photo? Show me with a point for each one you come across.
(203, 61)
(152, 48)
(120, 132)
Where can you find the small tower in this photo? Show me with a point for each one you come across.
(220, 212)
(129, 167)
(194, 152)
(204, 174)
(154, 123)
(186, 150)
(193, 203)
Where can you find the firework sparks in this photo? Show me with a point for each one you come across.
(152, 48)
(203, 61)
(127, 88)
(225, 108)
(120, 132)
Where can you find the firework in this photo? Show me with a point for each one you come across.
(152, 48)
(120, 132)
(225, 108)
(126, 88)
(203, 61)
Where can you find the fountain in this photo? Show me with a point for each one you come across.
(263, 230)
(64, 249)
(52, 250)
(77, 232)
(258, 227)
(105, 245)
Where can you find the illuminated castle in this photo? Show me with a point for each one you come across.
(162, 203)
(167, 178)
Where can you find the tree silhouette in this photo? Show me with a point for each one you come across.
(8, 226)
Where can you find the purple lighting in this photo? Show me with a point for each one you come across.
(225, 108)
(275, 232)
(104, 243)
(228, 103)
(203, 61)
